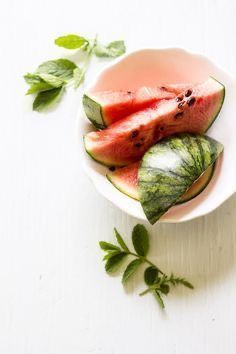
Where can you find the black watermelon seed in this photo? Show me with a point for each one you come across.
(134, 133)
(191, 101)
(129, 92)
(179, 98)
(112, 168)
(179, 115)
(188, 93)
(180, 105)
(163, 88)
(161, 129)
(138, 145)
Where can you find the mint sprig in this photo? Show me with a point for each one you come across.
(50, 79)
(158, 283)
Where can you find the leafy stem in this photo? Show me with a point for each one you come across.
(145, 260)
(89, 56)
(158, 282)
(50, 79)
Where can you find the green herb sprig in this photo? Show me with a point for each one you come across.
(158, 283)
(50, 79)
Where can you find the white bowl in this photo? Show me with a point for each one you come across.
(151, 67)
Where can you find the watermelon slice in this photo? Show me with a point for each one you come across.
(127, 140)
(125, 179)
(107, 107)
(170, 168)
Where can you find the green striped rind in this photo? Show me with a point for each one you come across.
(220, 105)
(130, 193)
(194, 191)
(120, 184)
(93, 111)
(170, 167)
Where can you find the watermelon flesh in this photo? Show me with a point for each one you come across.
(107, 107)
(126, 141)
(125, 179)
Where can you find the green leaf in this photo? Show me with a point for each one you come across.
(187, 284)
(52, 80)
(62, 68)
(47, 98)
(159, 299)
(42, 82)
(176, 281)
(164, 288)
(140, 240)
(131, 268)
(71, 41)
(106, 246)
(78, 77)
(36, 84)
(32, 79)
(184, 282)
(111, 254)
(150, 275)
(113, 263)
(40, 87)
(112, 50)
(121, 241)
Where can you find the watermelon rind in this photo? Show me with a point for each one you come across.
(193, 191)
(221, 102)
(93, 111)
(130, 193)
(119, 182)
(169, 168)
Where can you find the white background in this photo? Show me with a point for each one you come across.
(55, 297)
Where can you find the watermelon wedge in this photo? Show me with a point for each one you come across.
(125, 179)
(107, 107)
(170, 168)
(127, 140)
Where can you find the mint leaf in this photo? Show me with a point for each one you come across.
(176, 281)
(140, 240)
(164, 288)
(106, 246)
(37, 84)
(150, 275)
(40, 87)
(130, 270)
(111, 254)
(121, 241)
(72, 41)
(52, 80)
(78, 75)
(113, 263)
(31, 79)
(62, 68)
(112, 50)
(42, 82)
(46, 99)
(187, 284)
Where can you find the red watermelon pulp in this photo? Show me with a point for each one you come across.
(125, 141)
(107, 107)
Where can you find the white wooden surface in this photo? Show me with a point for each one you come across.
(55, 297)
